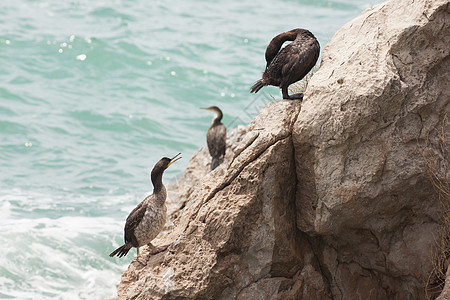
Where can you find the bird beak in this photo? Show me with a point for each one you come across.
(207, 108)
(174, 160)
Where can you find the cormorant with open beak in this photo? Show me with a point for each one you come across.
(147, 220)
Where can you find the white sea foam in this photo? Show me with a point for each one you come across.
(63, 257)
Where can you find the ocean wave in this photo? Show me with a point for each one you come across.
(60, 251)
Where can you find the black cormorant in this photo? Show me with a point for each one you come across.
(216, 138)
(290, 64)
(148, 218)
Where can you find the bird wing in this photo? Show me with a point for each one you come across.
(133, 220)
(301, 61)
(216, 139)
(222, 138)
(273, 74)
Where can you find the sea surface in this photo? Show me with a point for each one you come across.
(93, 93)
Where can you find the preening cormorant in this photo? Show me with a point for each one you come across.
(216, 138)
(290, 64)
(148, 218)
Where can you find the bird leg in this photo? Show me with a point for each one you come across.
(284, 91)
(137, 258)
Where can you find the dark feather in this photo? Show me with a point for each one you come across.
(257, 86)
(216, 140)
(121, 251)
(133, 220)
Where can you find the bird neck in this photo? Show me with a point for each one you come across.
(275, 44)
(158, 185)
(159, 196)
(217, 119)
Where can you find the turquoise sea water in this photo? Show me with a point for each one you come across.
(92, 94)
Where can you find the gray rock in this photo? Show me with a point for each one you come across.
(328, 199)
(368, 112)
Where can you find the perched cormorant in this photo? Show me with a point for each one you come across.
(216, 138)
(290, 64)
(148, 218)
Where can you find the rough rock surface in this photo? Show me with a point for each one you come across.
(328, 199)
(198, 176)
(237, 237)
(369, 111)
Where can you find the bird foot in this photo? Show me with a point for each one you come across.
(142, 263)
(298, 96)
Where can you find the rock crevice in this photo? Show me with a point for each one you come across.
(325, 199)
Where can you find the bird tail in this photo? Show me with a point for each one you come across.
(121, 251)
(257, 86)
(215, 162)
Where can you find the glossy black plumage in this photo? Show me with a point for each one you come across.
(290, 64)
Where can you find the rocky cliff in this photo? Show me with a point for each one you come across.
(325, 199)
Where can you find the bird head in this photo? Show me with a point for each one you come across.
(214, 109)
(163, 164)
(168, 161)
